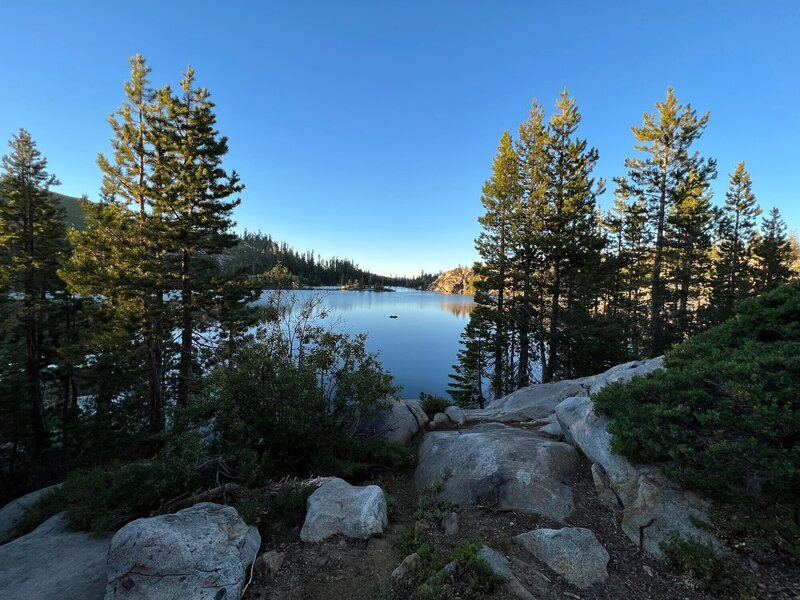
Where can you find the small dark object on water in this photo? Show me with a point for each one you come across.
(392, 316)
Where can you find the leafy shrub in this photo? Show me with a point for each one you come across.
(476, 574)
(721, 576)
(723, 418)
(432, 404)
(465, 576)
(290, 400)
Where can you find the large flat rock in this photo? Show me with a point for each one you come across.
(198, 553)
(572, 552)
(498, 465)
(54, 563)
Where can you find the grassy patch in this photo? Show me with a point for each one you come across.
(721, 576)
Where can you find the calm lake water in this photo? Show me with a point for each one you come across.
(419, 347)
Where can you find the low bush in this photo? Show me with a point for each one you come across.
(285, 507)
(721, 576)
(433, 404)
(104, 499)
(723, 418)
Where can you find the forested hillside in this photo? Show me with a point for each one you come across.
(257, 253)
(566, 289)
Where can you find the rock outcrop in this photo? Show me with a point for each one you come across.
(529, 403)
(201, 552)
(54, 563)
(460, 280)
(399, 422)
(12, 512)
(652, 507)
(338, 508)
(572, 552)
(625, 372)
(500, 466)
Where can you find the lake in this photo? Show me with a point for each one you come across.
(420, 346)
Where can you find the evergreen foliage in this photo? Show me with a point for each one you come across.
(258, 253)
(32, 299)
(773, 252)
(723, 418)
(670, 178)
(736, 222)
(566, 290)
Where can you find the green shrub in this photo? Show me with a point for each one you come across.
(474, 572)
(721, 576)
(290, 402)
(723, 418)
(285, 507)
(432, 508)
(104, 499)
(433, 404)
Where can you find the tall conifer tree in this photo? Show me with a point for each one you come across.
(660, 176)
(736, 230)
(119, 256)
(32, 240)
(773, 253)
(500, 194)
(194, 208)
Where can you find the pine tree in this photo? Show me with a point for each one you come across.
(572, 242)
(627, 267)
(500, 194)
(32, 241)
(773, 253)
(736, 227)
(471, 371)
(660, 176)
(194, 209)
(119, 256)
(527, 227)
(690, 223)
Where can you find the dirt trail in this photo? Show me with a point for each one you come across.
(346, 569)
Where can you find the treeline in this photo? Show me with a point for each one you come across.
(567, 290)
(106, 329)
(257, 253)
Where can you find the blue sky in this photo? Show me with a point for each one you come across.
(366, 129)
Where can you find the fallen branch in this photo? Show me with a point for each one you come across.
(221, 491)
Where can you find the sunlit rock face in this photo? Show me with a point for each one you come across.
(458, 281)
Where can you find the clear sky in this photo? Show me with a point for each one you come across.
(366, 129)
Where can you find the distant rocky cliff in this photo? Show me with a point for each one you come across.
(460, 280)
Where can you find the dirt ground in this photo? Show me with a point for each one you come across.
(346, 569)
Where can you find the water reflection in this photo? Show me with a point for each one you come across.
(459, 309)
(418, 347)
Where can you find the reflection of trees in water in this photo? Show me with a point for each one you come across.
(459, 309)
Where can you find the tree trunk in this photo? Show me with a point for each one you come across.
(187, 324)
(657, 341)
